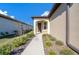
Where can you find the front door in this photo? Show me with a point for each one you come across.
(39, 27)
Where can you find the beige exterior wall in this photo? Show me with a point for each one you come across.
(58, 23)
(10, 26)
(74, 25)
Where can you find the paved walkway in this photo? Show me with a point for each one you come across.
(35, 47)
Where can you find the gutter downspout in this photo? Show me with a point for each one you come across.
(67, 31)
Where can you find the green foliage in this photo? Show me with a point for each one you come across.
(24, 40)
(59, 42)
(66, 51)
(52, 38)
(50, 41)
(29, 35)
(48, 37)
(48, 44)
(51, 52)
(18, 41)
(5, 49)
(27, 31)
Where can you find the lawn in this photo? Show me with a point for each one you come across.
(53, 46)
(4, 41)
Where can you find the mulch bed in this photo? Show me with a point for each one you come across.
(56, 48)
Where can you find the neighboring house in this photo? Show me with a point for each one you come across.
(62, 23)
(10, 25)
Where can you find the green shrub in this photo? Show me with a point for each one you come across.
(59, 43)
(46, 37)
(30, 35)
(66, 52)
(6, 49)
(48, 44)
(26, 31)
(15, 43)
(51, 52)
(24, 39)
(18, 41)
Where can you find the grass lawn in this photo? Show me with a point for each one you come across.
(52, 46)
(4, 41)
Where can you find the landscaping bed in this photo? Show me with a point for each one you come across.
(52, 46)
(19, 50)
(16, 45)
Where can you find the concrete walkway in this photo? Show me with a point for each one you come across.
(35, 47)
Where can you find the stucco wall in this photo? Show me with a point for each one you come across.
(10, 26)
(58, 23)
(26, 27)
(74, 25)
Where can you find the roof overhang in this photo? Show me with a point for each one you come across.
(39, 17)
(51, 12)
(9, 18)
(54, 8)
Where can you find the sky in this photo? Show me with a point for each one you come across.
(24, 11)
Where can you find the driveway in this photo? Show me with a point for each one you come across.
(35, 47)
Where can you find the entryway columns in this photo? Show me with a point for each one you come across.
(34, 27)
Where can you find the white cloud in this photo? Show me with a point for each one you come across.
(45, 13)
(5, 13)
(12, 16)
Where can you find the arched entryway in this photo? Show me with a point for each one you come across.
(41, 26)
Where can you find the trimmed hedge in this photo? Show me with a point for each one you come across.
(16, 42)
